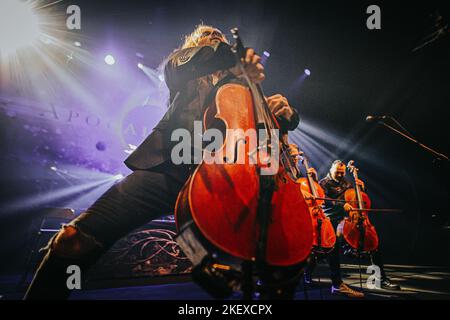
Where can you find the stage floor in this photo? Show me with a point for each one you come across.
(417, 282)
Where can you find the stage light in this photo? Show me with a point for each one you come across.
(77, 44)
(35, 50)
(307, 72)
(131, 148)
(264, 57)
(119, 176)
(155, 75)
(109, 60)
(53, 168)
(41, 199)
(20, 26)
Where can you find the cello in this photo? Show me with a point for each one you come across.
(324, 236)
(233, 210)
(358, 231)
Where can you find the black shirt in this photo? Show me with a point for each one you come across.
(334, 190)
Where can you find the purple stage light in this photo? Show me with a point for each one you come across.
(264, 57)
(307, 72)
(109, 60)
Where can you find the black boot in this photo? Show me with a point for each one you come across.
(385, 282)
(388, 285)
(49, 282)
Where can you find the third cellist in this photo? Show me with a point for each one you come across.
(335, 186)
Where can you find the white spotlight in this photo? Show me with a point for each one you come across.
(140, 65)
(19, 26)
(109, 60)
(118, 176)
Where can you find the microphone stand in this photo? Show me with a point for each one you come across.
(438, 155)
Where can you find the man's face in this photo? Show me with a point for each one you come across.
(295, 153)
(211, 36)
(337, 171)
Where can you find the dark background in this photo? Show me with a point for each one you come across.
(355, 72)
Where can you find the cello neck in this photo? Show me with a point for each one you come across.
(265, 119)
(312, 185)
(263, 115)
(357, 188)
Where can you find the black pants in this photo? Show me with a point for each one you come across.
(334, 260)
(139, 198)
(142, 196)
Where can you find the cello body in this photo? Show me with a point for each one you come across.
(222, 199)
(324, 236)
(358, 231)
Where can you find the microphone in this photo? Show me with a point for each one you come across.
(375, 118)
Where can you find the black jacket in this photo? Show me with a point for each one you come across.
(188, 77)
(334, 190)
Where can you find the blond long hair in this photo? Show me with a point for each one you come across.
(192, 39)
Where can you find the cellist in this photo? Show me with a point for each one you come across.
(335, 184)
(191, 72)
(338, 286)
